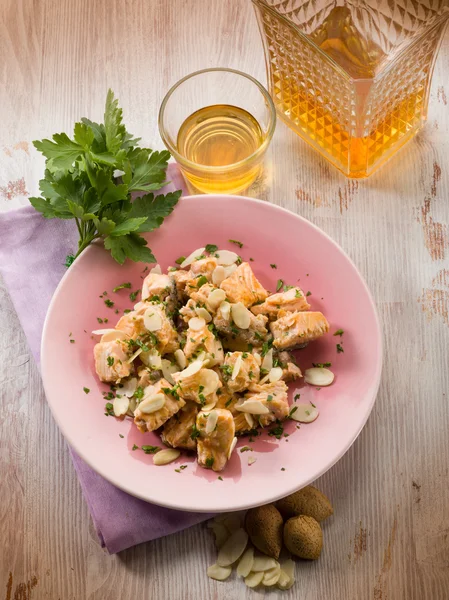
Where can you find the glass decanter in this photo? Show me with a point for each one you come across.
(352, 78)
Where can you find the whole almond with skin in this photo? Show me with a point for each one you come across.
(303, 537)
(308, 501)
(264, 526)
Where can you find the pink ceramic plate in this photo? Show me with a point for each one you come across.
(304, 255)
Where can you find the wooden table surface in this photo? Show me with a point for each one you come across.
(389, 538)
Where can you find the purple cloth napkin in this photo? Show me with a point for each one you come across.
(32, 253)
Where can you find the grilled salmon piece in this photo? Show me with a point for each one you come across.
(156, 284)
(200, 387)
(199, 270)
(242, 286)
(203, 340)
(152, 421)
(248, 371)
(290, 301)
(294, 329)
(165, 339)
(287, 362)
(228, 400)
(111, 361)
(213, 447)
(178, 430)
(274, 396)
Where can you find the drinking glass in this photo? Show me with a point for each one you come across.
(234, 142)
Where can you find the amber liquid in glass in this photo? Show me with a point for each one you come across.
(353, 147)
(220, 136)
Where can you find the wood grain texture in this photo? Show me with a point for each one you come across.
(389, 538)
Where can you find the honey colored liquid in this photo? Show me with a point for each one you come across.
(220, 136)
(328, 130)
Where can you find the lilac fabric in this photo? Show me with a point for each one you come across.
(32, 253)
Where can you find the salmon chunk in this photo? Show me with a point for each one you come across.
(272, 395)
(228, 400)
(203, 340)
(294, 329)
(200, 387)
(180, 279)
(165, 339)
(290, 301)
(153, 420)
(178, 430)
(287, 362)
(111, 361)
(240, 369)
(156, 284)
(213, 448)
(242, 286)
(236, 338)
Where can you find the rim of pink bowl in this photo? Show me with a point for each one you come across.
(274, 497)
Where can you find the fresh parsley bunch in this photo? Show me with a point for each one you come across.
(91, 179)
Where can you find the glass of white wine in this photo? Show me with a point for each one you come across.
(218, 123)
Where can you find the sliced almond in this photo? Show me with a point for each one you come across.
(237, 367)
(283, 580)
(192, 257)
(103, 331)
(263, 563)
(254, 407)
(233, 548)
(267, 362)
(264, 379)
(215, 298)
(304, 413)
(197, 324)
(251, 460)
(128, 387)
(131, 407)
(151, 359)
(288, 566)
(168, 370)
(193, 368)
(219, 573)
(181, 358)
(257, 358)
(271, 577)
(226, 257)
(230, 270)
(275, 374)
(210, 381)
(211, 422)
(225, 309)
(163, 457)
(152, 320)
(152, 403)
(208, 407)
(203, 314)
(157, 269)
(241, 315)
(218, 275)
(287, 576)
(254, 579)
(249, 420)
(221, 534)
(319, 376)
(135, 355)
(231, 447)
(246, 562)
(120, 405)
(113, 335)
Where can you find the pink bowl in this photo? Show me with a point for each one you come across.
(305, 256)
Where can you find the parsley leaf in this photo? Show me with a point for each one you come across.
(122, 286)
(339, 332)
(237, 243)
(211, 248)
(279, 284)
(339, 349)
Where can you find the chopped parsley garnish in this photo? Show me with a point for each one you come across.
(210, 461)
(250, 374)
(246, 449)
(182, 467)
(227, 369)
(294, 409)
(202, 280)
(201, 388)
(245, 355)
(135, 447)
(180, 260)
(211, 248)
(339, 348)
(121, 435)
(133, 295)
(251, 259)
(86, 390)
(139, 343)
(202, 399)
(279, 284)
(99, 320)
(126, 311)
(109, 409)
(138, 394)
(269, 398)
(297, 397)
(122, 286)
(220, 478)
(110, 360)
(150, 449)
(69, 260)
(237, 243)
(109, 303)
(287, 287)
(273, 266)
(258, 335)
(195, 432)
(322, 365)
(282, 468)
(228, 402)
(277, 431)
(313, 404)
(298, 294)
(193, 340)
(309, 294)
(339, 332)
(266, 347)
(72, 341)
